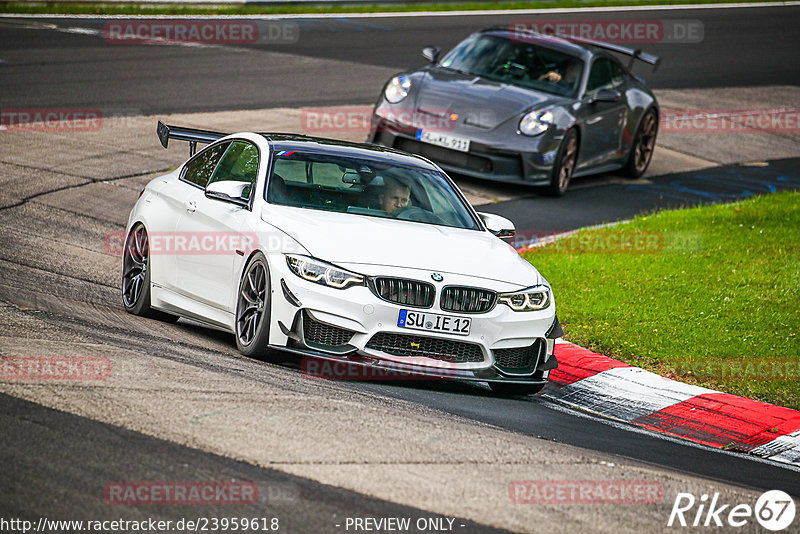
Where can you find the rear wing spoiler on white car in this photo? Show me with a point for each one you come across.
(192, 135)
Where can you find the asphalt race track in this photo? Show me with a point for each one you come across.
(741, 47)
(588, 206)
(186, 406)
(110, 453)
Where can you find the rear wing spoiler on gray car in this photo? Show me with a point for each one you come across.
(192, 135)
(624, 50)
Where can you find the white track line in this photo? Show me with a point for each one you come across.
(481, 13)
(626, 393)
(570, 410)
(783, 448)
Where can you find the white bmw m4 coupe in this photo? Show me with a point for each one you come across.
(338, 251)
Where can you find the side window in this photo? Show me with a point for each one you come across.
(617, 74)
(600, 77)
(198, 171)
(239, 164)
(313, 172)
(291, 170)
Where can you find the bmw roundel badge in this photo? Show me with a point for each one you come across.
(437, 277)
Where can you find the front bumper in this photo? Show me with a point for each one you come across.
(355, 325)
(494, 155)
(375, 369)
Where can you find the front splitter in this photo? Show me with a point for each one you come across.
(376, 369)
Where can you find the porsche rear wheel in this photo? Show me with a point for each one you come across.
(644, 145)
(566, 158)
(253, 308)
(136, 276)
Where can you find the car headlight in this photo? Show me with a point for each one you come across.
(535, 122)
(322, 273)
(397, 89)
(533, 298)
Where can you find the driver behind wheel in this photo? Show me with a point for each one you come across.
(395, 196)
(566, 76)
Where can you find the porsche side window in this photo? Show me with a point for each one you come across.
(239, 164)
(600, 77)
(617, 74)
(198, 171)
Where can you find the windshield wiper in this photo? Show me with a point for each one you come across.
(460, 71)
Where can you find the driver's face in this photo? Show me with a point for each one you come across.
(395, 198)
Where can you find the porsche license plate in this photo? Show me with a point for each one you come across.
(448, 141)
(431, 322)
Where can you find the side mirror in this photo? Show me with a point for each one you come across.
(229, 191)
(431, 53)
(499, 226)
(606, 95)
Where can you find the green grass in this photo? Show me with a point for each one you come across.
(99, 8)
(719, 282)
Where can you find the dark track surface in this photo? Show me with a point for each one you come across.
(613, 202)
(536, 417)
(60, 477)
(741, 47)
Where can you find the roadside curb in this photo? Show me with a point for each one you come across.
(616, 390)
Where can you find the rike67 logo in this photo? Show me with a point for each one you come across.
(774, 511)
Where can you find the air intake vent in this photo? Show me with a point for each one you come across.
(324, 334)
(428, 347)
(522, 360)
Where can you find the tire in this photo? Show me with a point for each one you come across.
(566, 158)
(253, 308)
(515, 389)
(136, 276)
(644, 145)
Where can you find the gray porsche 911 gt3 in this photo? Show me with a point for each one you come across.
(530, 109)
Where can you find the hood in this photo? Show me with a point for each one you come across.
(477, 101)
(346, 238)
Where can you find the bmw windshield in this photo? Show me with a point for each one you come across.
(366, 187)
(517, 62)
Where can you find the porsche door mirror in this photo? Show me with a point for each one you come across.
(431, 53)
(499, 226)
(606, 95)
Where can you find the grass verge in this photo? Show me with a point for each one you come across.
(100, 8)
(706, 295)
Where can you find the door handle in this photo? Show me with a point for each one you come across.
(190, 206)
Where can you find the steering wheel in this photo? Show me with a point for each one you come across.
(510, 68)
(417, 214)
